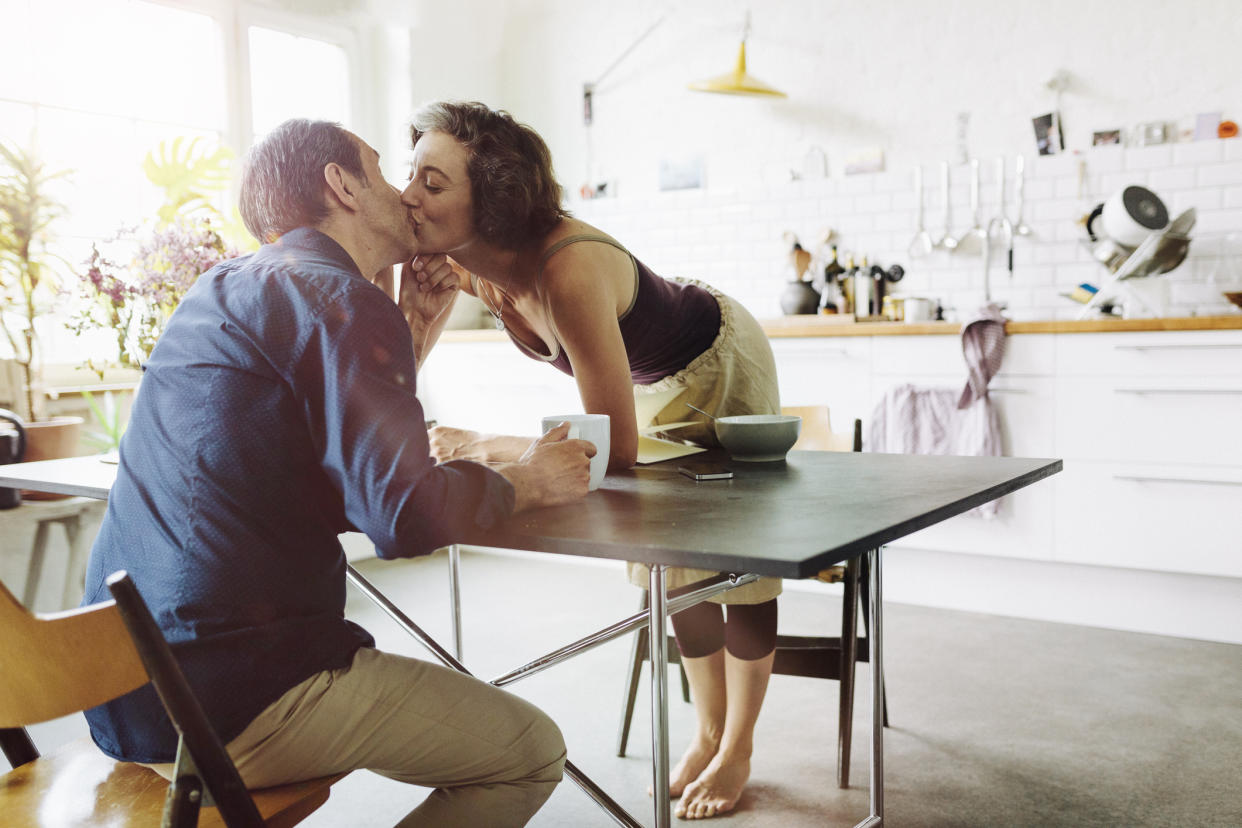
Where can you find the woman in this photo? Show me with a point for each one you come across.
(482, 190)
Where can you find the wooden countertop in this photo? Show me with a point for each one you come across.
(810, 326)
(820, 326)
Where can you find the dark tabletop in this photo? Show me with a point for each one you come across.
(788, 519)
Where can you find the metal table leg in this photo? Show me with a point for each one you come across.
(601, 798)
(658, 639)
(875, 644)
(454, 556)
(655, 617)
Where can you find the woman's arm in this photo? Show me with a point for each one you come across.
(584, 284)
(429, 288)
(448, 443)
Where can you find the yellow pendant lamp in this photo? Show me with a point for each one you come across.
(739, 81)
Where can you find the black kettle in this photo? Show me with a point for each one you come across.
(12, 450)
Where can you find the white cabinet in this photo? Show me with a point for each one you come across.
(1157, 517)
(1147, 423)
(1186, 419)
(1148, 426)
(1023, 394)
(831, 371)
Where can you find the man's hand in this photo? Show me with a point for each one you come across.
(553, 470)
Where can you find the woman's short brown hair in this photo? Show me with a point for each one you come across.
(517, 199)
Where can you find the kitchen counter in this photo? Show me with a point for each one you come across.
(790, 327)
(810, 326)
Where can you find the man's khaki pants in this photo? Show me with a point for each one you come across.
(492, 758)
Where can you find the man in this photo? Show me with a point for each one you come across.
(278, 410)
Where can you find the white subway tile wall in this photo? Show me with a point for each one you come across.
(731, 236)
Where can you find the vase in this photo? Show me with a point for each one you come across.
(51, 440)
(799, 298)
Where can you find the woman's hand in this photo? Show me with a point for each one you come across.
(429, 286)
(448, 443)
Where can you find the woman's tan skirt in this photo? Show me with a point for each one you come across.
(736, 375)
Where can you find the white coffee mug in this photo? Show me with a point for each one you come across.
(595, 429)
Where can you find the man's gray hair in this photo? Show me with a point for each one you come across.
(282, 186)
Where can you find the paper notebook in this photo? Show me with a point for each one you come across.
(652, 445)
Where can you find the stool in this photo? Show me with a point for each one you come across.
(45, 514)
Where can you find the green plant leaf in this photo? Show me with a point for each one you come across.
(109, 419)
(189, 173)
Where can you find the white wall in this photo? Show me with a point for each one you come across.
(892, 75)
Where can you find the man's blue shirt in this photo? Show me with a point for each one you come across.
(277, 411)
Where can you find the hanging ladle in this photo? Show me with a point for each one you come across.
(921, 244)
(971, 241)
(946, 241)
(1020, 227)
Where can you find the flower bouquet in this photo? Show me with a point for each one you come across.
(135, 300)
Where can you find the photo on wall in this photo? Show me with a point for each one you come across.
(1105, 137)
(681, 173)
(1049, 139)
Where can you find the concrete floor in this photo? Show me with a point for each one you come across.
(995, 721)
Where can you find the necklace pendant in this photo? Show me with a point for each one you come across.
(500, 324)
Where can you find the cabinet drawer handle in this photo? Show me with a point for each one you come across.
(1146, 479)
(1178, 390)
(1199, 347)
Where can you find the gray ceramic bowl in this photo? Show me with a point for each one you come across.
(758, 437)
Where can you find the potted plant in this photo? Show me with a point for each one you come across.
(132, 294)
(28, 281)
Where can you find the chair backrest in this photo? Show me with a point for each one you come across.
(57, 664)
(53, 665)
(817, 433)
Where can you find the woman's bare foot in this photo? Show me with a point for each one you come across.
(716, 790)
(693, 762)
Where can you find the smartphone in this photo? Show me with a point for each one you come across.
(706, 471)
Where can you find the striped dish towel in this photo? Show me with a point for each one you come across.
(983, 347)
(913, 420)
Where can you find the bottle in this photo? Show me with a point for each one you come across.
(863, 289)
(833, 270)
(878, 277)
(831, 296)
(828, 302)
(847, 284)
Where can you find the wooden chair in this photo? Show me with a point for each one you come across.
(797, 655)
(57, 664)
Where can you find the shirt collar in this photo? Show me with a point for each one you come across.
(310, 240)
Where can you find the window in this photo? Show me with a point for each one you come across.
(94, 85)
(293, 76)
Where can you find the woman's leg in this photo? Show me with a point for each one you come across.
(747, 665)
(700, 633)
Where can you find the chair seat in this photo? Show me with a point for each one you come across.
(831, 575)
(810, 656)
(78, 786)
